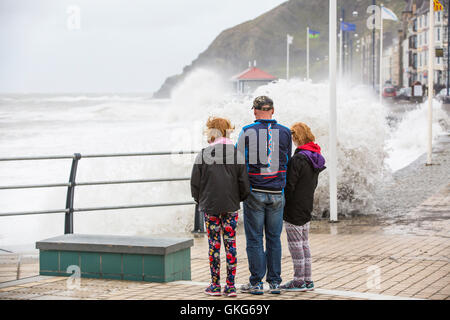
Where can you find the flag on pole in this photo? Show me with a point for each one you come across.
(438, 6)
(345, 26)
(313, 34)
(290, 39)
(388, 14)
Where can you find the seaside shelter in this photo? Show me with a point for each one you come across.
(247, 81)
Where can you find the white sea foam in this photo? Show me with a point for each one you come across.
(409, 140)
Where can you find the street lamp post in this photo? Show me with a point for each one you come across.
(346, 46)
(373, 50)
(448, 47)
(307, 54)
(381, 55)
(341, 45)
(431, 56)
(363, 60)
(333, 98)
(350, 66)
(341, 51)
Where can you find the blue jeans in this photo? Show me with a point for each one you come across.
(264, 211)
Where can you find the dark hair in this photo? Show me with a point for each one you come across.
(262, 101)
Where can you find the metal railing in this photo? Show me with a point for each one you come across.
(70, 209)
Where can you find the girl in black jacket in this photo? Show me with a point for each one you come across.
(219, 182)
(302, 177)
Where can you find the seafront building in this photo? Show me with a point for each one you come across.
(406, 60)
(391, 64)
(251, 78)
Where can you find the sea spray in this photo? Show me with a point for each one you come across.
(361, 133)
(409, 139)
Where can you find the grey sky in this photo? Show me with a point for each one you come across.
(121, 45)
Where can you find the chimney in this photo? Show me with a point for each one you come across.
(254, 63)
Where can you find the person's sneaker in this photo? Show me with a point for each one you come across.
(309, 285)
(257, 289)
(213, 290)
(294, 285)
(274, 288)
(229, 291)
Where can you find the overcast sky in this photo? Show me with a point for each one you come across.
(57, 46)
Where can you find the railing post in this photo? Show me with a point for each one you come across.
(68, 221)
(199, 221)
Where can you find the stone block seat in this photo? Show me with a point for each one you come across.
(116, 257)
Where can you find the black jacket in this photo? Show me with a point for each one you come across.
(219, 183)
(302, 178)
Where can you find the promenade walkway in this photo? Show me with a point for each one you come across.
(404, 257)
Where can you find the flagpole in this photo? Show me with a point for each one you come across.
(287, 62)
(341, 35)
(373, 71)
(332, 161)
(381, 55)
(431, 55)
(307, 53)
(448, 48)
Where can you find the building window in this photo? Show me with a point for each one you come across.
(438, 36)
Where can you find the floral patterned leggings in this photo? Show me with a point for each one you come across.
(226, 224)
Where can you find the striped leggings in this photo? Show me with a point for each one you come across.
(298, 244)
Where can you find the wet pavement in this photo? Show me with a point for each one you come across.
(404, 190)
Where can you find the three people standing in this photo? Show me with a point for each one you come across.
(254, 171)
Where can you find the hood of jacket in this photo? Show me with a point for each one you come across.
(312, 152)
(313, 147)
(219, 153)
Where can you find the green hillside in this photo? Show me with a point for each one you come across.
(264, 40)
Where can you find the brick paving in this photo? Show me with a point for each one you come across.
(411, 255)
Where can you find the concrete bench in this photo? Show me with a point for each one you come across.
(116, 257)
